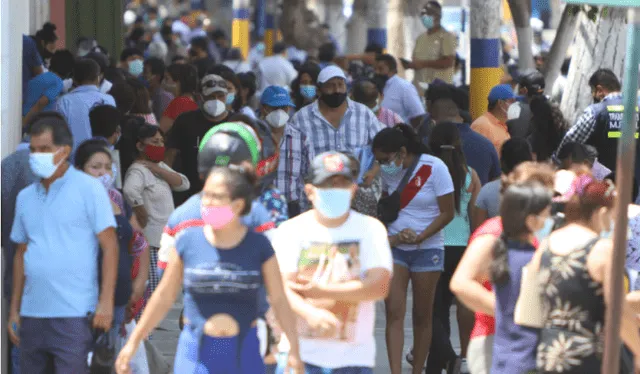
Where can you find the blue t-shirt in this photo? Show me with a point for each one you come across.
(222, 281)
(46, 84)
(30, 59)
(481, 155)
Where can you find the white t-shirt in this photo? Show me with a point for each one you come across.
(430, 180)
(335, 255)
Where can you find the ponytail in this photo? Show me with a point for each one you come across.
(414, 143)
(446, 145)
(500, 265)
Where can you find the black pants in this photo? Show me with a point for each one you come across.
(441, 351)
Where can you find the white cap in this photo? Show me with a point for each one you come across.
(329, 73)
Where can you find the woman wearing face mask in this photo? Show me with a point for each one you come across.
(141, 107)
(524, 209)
(94, 158)
(220, 316)
(46, 39)
(182, 81)
(147, 187)
(303, 88)
(416, 237)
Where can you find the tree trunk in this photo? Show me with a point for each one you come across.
(300, 26)
(395, 22)
(357, 28)
(599, 44)
(521, 13)
(562, 41)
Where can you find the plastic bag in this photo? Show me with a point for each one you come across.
(139, 363)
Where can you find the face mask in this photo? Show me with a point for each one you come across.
(514, 111)
(260, 47)
(106, 180)
(391, 168)
(334, 100)
(217, 216)
(546, 230)
(136, 67)
(42, 164)
(427, 21)
(332, 202)
(277, 118)
(214, 108)
(231, 98)
(308, 91)
(154, 152)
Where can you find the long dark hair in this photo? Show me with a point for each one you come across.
(445, 143)
(141, 102)
(548, 127)
(390, 140)
(518, 202)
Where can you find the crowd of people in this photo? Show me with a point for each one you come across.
(286, 197)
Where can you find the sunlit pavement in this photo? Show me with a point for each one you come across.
(165, 338)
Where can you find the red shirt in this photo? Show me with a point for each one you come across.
(178, 106)
(485, 325)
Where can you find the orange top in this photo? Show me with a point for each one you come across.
(493, 129)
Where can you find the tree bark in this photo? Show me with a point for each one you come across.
(357, 28)
(599, 44)
(564, 36)
(521, 13)
(300, 26)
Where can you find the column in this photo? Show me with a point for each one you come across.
(377, 21)
(270, 31)
(240, 26)
(260, 18)
(485, 52)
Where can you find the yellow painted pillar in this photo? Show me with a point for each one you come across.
(240, 27)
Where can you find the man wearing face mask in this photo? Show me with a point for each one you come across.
(601, 122)
(331, 123)
(366, 92)
(132, 62)
(103, 61)
(75, 105)
(60, 224)
(276, 104)
(400, 96)
(351, 268)
(519, 114)
(189, 129)
(434, 55)
(492, 125)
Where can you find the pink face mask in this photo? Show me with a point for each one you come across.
(217, 216)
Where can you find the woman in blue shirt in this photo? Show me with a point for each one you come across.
(222, 266)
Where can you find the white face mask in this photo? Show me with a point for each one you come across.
(42, 164)
(214, 108)
(514, 111)
(278, 118)
(106, 180)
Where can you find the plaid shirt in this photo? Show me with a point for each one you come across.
(584, 126)
(309, 134)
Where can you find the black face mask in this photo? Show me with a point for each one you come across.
(596, 99)
(380, 79)
(334, 100)
(46, 54)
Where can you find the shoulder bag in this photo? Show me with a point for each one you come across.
(389, 206)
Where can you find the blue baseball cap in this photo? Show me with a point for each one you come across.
(501, 92)
(277, 97)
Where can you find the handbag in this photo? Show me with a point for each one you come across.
(529, 310)
(389, 206)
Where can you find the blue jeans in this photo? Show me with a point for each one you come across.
(419, 260)
(313, 369)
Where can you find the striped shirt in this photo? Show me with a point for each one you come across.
(389, 117)
(309, 134)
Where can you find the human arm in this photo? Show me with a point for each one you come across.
(134, 185)
(474, 189)
(446, 204)
(441, 63)
(166, 124)
(109, 245)
(580, 132)
(177, 182)
(16, 294)
(472, 272)
(478, 217)
(42, 102)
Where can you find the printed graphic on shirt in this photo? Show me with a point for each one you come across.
(331, 263)
(221, 278)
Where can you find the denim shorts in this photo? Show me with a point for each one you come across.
(419, 260)
(312, 369)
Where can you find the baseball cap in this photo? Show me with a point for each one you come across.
(226, 144)
(501, 92)
(213, 83)
(329, 73)
(329, 164)
(277, 97)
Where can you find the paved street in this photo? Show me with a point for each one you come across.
(165, 337)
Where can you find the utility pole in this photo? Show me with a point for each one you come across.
(240, 26)
(377, 21)
(485, 52)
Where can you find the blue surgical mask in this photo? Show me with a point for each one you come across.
(231, 98)
(546, 230)
(427, 21)
(391, 168)
(308, 91)
(332, 202)
(136, 67)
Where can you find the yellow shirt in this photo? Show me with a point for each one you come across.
(491, 128)
(434, 47)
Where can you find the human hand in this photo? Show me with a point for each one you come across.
(408, 236)
(14, 328)
(124, 358)
(406, 63)
(310, 290)
(103, 317)
(152, 166)
(322, 321)
(368, 177)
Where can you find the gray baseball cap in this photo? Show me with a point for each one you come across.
(329, 164)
